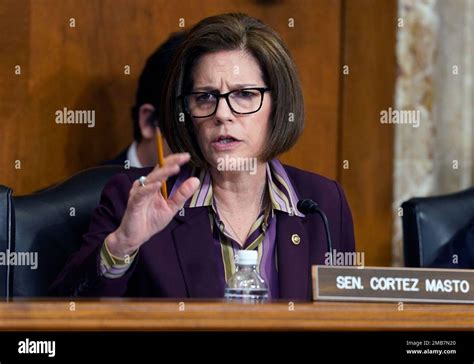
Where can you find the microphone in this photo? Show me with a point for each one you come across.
(307, 206)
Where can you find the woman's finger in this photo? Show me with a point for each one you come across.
(183, 193)
(176, 158)
(163, 173)
(141, 192)
(169, 169)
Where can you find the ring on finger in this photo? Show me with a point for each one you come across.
(142, 181)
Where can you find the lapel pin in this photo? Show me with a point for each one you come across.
(295, 239)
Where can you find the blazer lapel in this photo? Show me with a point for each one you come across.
(293, 257)
(197, 255)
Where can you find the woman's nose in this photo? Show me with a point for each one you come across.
(223, 112)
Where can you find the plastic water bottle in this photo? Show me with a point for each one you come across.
(246, 285)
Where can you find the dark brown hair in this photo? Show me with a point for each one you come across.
(230, 32)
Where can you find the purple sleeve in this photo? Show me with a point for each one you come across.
(347, 242)
(81, 275)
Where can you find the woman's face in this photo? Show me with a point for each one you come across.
(227, 134)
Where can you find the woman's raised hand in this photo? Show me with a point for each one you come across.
(148, 212)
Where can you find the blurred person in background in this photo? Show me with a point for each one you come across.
(142, 151)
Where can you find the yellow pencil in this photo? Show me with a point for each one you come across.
(161, 159)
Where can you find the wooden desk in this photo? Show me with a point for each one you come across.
(217, 315)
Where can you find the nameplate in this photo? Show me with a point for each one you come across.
(392, 284)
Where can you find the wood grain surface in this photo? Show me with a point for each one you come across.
(219, 315)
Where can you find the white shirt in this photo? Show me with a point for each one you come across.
(132, 156)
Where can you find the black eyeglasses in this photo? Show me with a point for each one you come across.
(241, 101)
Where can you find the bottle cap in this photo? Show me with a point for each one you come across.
(247, 257)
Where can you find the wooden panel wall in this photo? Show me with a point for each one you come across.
(369, 51)
(83, 68)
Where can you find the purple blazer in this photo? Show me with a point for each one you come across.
(178, 261)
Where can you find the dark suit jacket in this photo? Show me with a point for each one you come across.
(179, 261)
(119, 159)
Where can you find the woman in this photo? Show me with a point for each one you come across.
(234, 103)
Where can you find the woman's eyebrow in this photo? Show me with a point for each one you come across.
(232, 87)
(243, 85)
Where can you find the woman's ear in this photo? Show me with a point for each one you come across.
(147, 127)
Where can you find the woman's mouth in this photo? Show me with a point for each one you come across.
(225, 142)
